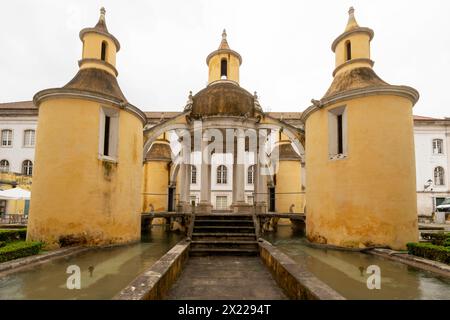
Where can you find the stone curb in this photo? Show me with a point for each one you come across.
(15, 265)
(411, 260)
(297, 282)
(155, 282)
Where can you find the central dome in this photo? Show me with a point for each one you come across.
(223, 98)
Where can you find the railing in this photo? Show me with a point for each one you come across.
(14, 219)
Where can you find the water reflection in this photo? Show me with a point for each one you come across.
(346, 271)
(104, 272)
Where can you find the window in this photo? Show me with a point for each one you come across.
(29, 138)
(104, 48)
(27, 168)
(223, 69)
(438, 146)
(4, 166)
(222, 174)
(337, 133)
(221, 202)
(348, 50)
(109, 131)
(250, 174)
(439, 176)
(7, 138)
(437, 202)
(193, 200)
(193, 174)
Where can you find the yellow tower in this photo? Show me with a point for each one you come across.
(88, 174)
(224, 63)
(288, 179)
(360, 164)
(157, 176)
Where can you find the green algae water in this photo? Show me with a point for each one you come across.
(113, 269)
(345, 271)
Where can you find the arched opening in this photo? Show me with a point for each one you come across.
(348, 50)
(223, 69)
(221, 174)
(439, 176)
(104, 49)
(4, 165)
(27, 168)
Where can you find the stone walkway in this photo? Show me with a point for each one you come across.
(225, 278)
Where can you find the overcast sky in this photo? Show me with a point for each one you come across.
(285, 46)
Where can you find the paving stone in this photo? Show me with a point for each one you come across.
(225, 278)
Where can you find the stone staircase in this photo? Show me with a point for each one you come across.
(224, 234)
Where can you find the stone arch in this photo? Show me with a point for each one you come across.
(151, 134)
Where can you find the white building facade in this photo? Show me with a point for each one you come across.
(18, 123)
(432, 144)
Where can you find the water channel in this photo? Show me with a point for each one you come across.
(116, 267)
(346, 273)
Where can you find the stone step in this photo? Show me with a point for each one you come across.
(224, 229)
(222, 251)
(225, 244)
(216, 217)
(224, 236)
(224, 222)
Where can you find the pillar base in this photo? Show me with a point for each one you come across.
(261, 207)
(184, 207)
(204, 207)
(242, 207)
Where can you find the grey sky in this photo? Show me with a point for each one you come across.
(285, 47)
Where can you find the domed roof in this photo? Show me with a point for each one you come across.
(223, 98)
(159, 151)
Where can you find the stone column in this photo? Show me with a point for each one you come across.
(240, 167)
(239, 204)
(182, 185)
(205, 205)
(185, 180)
(260, 178)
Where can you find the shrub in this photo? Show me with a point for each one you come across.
(2, 243)
(9, 235)
(446, 243)
(19, 249)
(436, 238)
(430, 251)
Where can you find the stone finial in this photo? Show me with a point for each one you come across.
(256, 102)
(189, 102)
(102, 13)
(351, 11)
(224, 43)
(351, 24)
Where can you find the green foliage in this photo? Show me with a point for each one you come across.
(19, 249)
(430, 251)
(446, 243)
(9, 235)
(2, 243)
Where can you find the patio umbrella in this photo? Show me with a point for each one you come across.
(15, 194)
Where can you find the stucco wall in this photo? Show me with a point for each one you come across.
(369, 197)
(74, 192)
